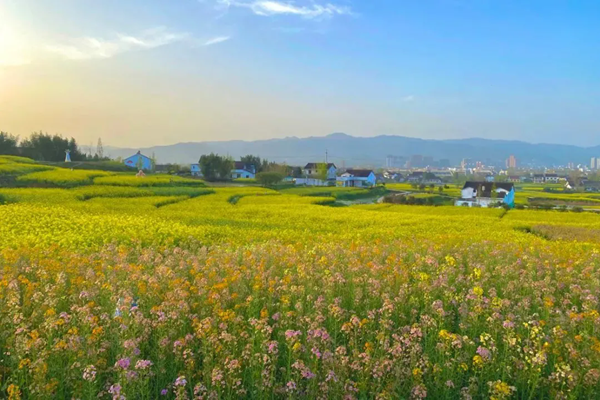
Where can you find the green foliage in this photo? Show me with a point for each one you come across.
(8, 144)
(256, 161)
(215, 167)
(45, 147)
(269, 178)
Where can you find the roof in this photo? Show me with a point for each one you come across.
(486, 187)
(551, 175)
(313, 165)
(359, 173)
(139, 153)
(243, 166)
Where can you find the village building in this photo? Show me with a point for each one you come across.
(139, 161)
(551, 178)
(357, 178)
(195, 170)
(484, 194)
(312, 169)
(243, 170)
(415, 177)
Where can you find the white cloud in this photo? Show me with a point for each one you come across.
(215, 40)
(408, 99)
(270, 8)
(90, 48)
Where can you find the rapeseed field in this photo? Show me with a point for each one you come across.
(139, 291)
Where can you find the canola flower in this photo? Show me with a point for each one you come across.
(171, 292)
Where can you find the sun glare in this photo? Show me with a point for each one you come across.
(12, 45)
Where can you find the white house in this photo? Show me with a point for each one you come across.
(243, 170)
(552, 178)
(357, 178)
(195, 170)
(139, 160)
(482, 193)
(539, 178)
(311, 169)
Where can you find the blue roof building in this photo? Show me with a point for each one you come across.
(137, 160)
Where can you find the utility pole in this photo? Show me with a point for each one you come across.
(326, 157)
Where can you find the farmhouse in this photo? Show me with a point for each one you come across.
(357, 178)
(195, 170)
(139, 161)
(591, 186)
(393, 176)
(484, 194)
(311, 169)
(243, 170)
(415, 177)
(514, 178)
(538, 178)
(551, 178)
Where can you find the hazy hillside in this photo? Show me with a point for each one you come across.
(353, 151)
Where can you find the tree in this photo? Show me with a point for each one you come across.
(322, 171)
(100, 149)
(422, 186)
(153, 162)
(494, 192)
(431, 187)
(269, 178)
(215, 167)
(45, 147)
(8, 144)
(254, 160)
(297, 172)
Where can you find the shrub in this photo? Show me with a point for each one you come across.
(269, 178)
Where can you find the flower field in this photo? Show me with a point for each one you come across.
(140, 291)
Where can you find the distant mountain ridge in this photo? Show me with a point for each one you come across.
(368, 151)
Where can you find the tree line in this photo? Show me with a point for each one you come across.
(42, 146)
(215, 167)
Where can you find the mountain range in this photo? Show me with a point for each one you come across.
(352, 151)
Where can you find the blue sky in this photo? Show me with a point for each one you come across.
(163, 71)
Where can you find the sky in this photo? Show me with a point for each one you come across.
(139, 73)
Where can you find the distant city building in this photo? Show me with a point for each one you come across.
(395, 162)
(467, 163)
(444, 163)
(415, 161)
(595, 163)
(511, 162)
